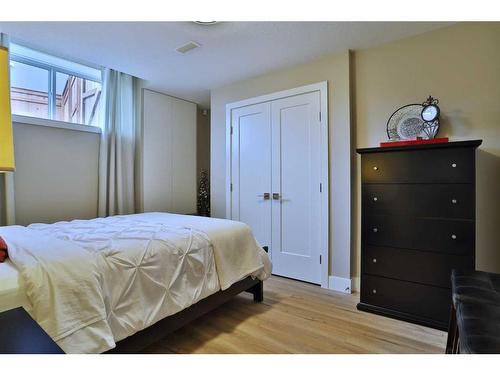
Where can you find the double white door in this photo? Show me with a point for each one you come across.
(276, 180)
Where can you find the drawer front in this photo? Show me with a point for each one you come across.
(425, 200)
(424, 166)
(413, 265)
(444, 236)
(417, 299)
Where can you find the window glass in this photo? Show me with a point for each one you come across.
(49, 87)
(29, 90)
(77, 100)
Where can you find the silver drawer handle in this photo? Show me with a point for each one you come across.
(453, 236)
(375, 168)
(375, 230)
(375, 199)
(454, 201)
(453, 165)
(374, 291)
(374, 260)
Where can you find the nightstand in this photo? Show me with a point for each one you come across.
(20, 334)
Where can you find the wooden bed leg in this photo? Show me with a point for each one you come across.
(258, 292)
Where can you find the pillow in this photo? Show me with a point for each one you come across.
(3, 250)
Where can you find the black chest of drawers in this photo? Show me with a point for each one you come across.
(418, 223)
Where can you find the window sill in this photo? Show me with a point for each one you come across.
(55, 124)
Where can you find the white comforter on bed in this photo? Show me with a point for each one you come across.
(92, 283)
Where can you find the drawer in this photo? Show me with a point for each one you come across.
(424, 166)
(438, 235)
(411, 298)
(413, 265)
(424, 200)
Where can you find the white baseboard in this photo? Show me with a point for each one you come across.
(339, 284)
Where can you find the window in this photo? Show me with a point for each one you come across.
(49, 87)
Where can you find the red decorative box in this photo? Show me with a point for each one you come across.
(412, 142)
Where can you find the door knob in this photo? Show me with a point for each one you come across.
(276, 196)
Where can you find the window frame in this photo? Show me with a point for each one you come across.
(52, 74)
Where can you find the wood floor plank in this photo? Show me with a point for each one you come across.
(297, 317)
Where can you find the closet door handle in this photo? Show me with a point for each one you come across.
(276, 196)
(266, 196)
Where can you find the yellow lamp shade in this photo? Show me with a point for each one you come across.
(6, 140)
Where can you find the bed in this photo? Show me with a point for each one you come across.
(93, 284)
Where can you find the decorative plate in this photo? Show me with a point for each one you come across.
(406, 123)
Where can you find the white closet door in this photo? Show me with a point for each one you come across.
(157, 161)
(184, 184)
(251, 169)
(169, 154)
(296, 177)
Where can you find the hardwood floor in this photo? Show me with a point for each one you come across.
(297, 317)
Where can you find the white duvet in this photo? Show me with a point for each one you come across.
(92, 283)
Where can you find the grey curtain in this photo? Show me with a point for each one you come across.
(118, 142)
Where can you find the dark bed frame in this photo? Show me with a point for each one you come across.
(159, 330)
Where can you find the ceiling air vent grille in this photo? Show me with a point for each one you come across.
(187, 47)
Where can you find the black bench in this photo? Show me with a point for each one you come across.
(475, 313)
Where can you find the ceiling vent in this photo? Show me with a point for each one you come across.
(187, 47)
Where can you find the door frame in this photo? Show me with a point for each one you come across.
(322, 87)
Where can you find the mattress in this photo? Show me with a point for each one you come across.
(11, 292)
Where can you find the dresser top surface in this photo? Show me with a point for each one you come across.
(472, 143)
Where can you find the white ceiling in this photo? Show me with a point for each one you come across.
(230, 51)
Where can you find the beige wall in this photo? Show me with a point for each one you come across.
(335, 70)
(56, 174)
(460, 65)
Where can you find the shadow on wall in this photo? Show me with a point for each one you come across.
(455, 121)
(487, 212)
